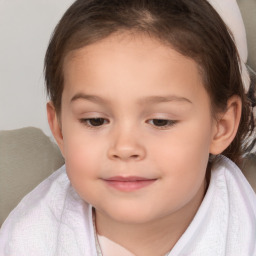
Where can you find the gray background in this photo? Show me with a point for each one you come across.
(25, 30)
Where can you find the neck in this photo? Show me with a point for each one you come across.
(144, 239)
(152, 238)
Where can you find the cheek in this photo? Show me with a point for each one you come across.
(190, 143)
(82, 165)
(82, 153)
(82, 156)
(183, 156)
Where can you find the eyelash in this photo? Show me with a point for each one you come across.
(88, 122)
(168, 123)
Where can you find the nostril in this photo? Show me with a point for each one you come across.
(126, 153)
(127, 157)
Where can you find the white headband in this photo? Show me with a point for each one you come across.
(231, 15)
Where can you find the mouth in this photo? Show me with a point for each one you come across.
(128, 184)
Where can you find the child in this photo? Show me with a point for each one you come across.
(145, 96)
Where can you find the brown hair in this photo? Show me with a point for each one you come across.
(192, 27)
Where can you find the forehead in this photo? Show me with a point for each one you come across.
(123, 42)
(134, 60)
(120, 44)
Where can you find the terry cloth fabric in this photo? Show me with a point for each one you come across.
(54, 221)
(50, 220)
(225, 224)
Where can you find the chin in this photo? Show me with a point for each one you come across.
(130, 215)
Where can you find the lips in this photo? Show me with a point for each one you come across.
(128, 184)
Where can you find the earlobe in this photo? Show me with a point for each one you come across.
(55, 125)
(226, 126)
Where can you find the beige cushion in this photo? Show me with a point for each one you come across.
(249, 169)
(248, 10)
(27, 156)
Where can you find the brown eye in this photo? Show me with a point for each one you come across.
(162, 123)
(94, 122)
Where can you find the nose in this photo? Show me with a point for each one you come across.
(126, 146)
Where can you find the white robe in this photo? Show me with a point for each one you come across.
(53, 220)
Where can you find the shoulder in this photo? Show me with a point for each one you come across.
(36, 220)
(234, 178)
(51, 191)
(225, 223)
(238, 203)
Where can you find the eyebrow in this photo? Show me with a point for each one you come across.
(162, 99)
(92, 98)
(144, 101)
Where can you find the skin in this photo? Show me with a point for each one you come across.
(123, 74)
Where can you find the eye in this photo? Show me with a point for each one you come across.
(94, 122)
(162, 123)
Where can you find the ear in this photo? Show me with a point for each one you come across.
(55, 125)
(226, 126)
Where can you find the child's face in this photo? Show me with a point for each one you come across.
(131, 85)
